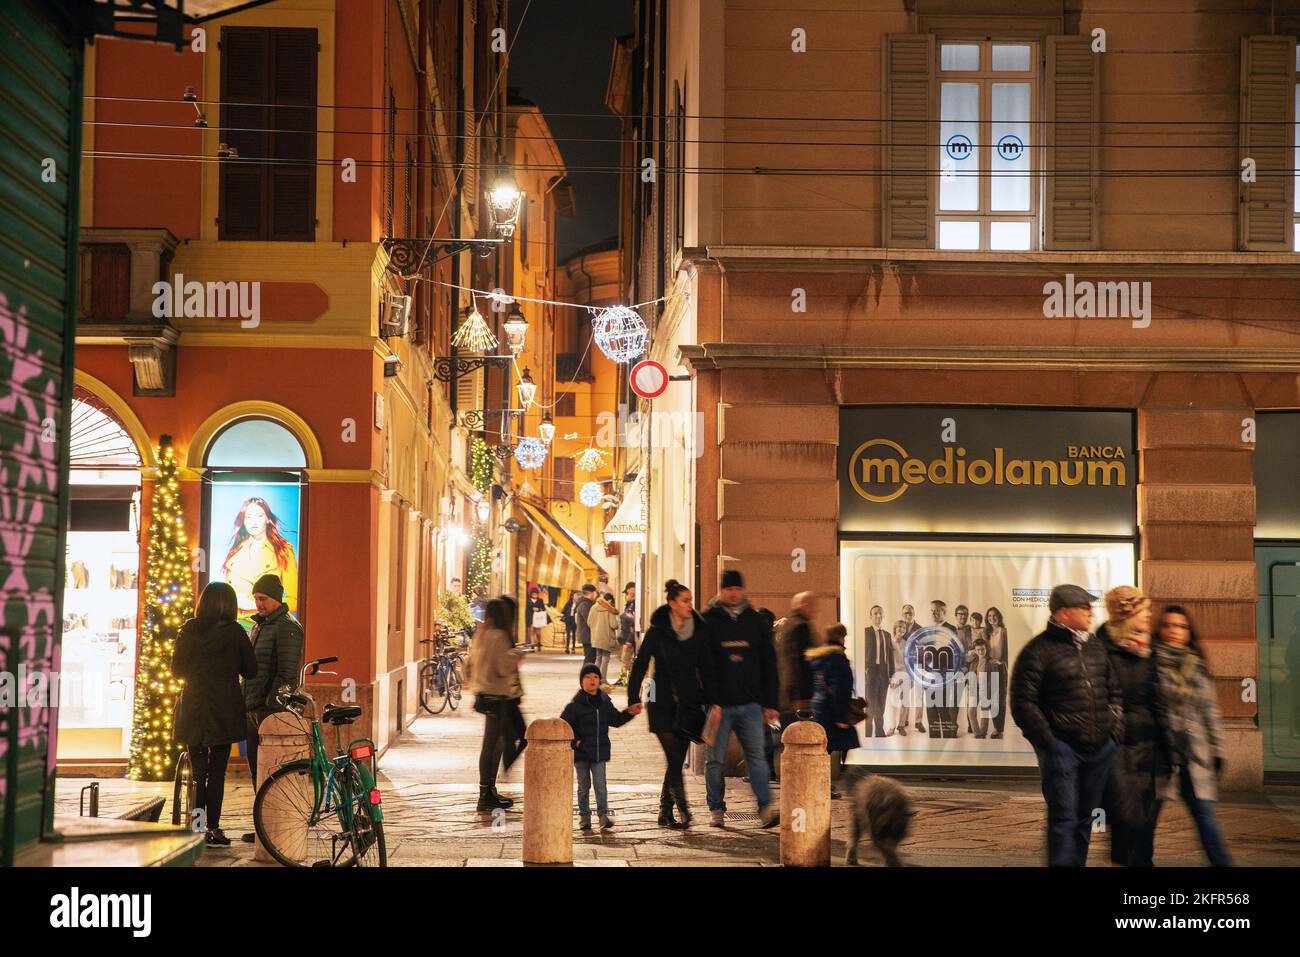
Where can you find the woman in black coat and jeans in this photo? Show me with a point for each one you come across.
(675, 697)
(211, 653)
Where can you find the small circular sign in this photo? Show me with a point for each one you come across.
(1010, 148)
(959, 146)
(648, 379)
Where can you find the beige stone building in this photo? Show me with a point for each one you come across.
(939, 259)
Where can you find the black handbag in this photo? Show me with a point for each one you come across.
(690, 722)
(488, 703)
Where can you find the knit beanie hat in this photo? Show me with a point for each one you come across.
(270, 586)
(588, 670)
(732, 578)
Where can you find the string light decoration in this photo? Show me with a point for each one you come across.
(168, 601)
(473, 334)
(480, 474)
(590, 459)
(620, 333)
(530, 453)
(590, 494)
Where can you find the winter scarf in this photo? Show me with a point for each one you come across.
(1180, 665)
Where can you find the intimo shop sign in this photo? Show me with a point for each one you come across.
(959, 470)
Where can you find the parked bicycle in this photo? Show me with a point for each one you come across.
(442, 675)
(323, 811)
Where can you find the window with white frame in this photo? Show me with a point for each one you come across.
(988, 160)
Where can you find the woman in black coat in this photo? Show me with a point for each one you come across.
(1142, 760)
(675, 642)
(211, 653)
(832, 690)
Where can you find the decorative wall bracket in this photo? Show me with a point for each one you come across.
(451, 368)
(407, 257)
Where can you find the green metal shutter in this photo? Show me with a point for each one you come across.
(40, 115)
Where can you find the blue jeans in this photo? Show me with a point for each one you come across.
(589, 772)
(1073, 784)
(747, 721)
(1207, 825)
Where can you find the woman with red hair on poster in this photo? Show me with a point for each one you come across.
(258, 548)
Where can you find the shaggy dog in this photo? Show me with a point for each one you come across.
(882, 809)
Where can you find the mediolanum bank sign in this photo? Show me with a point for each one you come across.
(960, 470)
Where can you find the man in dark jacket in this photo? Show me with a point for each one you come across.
(1067, 701)
(740, 685)
(581, 607)
(794, 637)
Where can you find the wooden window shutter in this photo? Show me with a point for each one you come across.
(244, 89)
(907, 192)
(1073, 111)
(293, 177)
(1267, 117)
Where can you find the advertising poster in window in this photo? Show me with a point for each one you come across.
(934, 631)
(253, 530)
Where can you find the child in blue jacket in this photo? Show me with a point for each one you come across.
(591, 714)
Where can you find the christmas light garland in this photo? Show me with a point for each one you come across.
(480, 474)
(168, 602)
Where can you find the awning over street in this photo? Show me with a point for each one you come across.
(629, 523)
(554, 557)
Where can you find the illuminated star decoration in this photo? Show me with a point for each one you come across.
(620, 333)
(590, 459)
(473, 335)
(530, 453)
(590, 495)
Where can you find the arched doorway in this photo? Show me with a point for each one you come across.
(102, 591)
(254, 508)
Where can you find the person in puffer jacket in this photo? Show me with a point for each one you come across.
(591, 714)
(1067, 701)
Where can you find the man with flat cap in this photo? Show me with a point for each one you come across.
(1067, 701)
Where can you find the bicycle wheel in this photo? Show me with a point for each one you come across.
(453, 687)
(437, 687)
(430, 688)
(283, 815)
(366, 835)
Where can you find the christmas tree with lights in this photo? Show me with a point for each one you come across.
(480, 474)
(168, 602)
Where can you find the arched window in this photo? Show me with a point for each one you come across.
(256, 443)
(98, 439)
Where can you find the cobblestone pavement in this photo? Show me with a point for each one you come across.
(429, 778)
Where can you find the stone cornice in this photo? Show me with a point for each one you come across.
(723, 355)
(1147, 263)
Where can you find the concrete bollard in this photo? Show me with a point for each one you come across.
(284, 737)
(805, 797)
(548, 793)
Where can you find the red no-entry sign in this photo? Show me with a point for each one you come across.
(648, 379)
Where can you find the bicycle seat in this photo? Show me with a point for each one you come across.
(340, 714)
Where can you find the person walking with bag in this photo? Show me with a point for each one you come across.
(278, 642)
(673, 644)
(494, 680)
(1143, 756)
(537, 619)
(832, 696)
(1196, 731)
(210, 655)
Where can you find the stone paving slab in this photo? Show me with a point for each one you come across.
(429, 780)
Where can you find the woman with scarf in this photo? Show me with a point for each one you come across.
(1142, 761)
(1196, 735)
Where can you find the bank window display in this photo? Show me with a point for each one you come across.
(101, 588)
(254, 498)
(987, 99)
(955, 524)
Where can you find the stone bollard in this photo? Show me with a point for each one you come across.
(548, 793)
(284, 737)
(805, 797)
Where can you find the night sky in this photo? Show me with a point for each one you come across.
(561, 62)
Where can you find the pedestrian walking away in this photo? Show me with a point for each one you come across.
(278, 642)
(602, 621)
(740, 687)
(211, 653)
(1195, 728)
(832, 694)
(1143, 756)
(1066, 700)
(674, 644)
(494, 680)
(570, 628)
(591, 714)
(794, 636)
(581, 611)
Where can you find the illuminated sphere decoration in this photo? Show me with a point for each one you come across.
(530, 453)
(620, 333)
(590, 459)
(590, 494)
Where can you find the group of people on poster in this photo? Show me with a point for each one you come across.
(947, 679)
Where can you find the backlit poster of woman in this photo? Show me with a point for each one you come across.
(259, 546)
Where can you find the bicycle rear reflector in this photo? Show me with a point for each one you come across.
(374, 795)
(362, 752)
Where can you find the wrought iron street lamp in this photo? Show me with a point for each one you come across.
(516, 327)
(504, 199)
(527, 389)
(547, 429)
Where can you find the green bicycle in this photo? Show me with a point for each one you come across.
(323, 811)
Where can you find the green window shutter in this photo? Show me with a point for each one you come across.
(1073, 111)
(1264, 221)
(908, 158)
